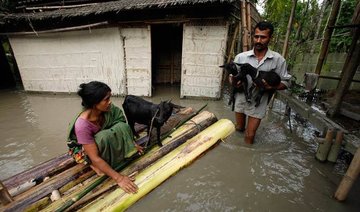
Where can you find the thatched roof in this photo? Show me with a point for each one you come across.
(107, 7)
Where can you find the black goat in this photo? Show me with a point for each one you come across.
(239, 71)
(138, 110)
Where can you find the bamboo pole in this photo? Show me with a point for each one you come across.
(335, 148)
(288, 31)
(5, 197)
(45, 188)
(350, 66)
(245, 40)
(48, 168)
(348, 180)
(248, 23)
(167, 166)
(324, 146)
(327, 35)
(38, 205)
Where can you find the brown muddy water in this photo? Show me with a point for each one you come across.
(277, 173)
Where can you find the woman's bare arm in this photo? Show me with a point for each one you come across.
(126, 183)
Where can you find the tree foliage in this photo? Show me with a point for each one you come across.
(305, 24)
(341, 39)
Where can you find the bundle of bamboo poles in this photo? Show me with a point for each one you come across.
(70, 179)
(165, 167)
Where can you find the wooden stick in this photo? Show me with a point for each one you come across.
(348, 180)
(324, 148)
(48, 168)
(57, 30)
(244, 26)
(44, 189)
(59, 7)
(5, 197)
(335, 148)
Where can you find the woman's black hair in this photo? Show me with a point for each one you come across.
(92, 93)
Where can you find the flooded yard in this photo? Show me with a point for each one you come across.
(278, 173)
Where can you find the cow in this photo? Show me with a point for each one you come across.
(138, 110)
(240, 71)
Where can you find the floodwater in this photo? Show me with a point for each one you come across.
(277, 173)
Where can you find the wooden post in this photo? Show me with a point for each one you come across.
(350, 66)
(288, 31)
(327, 36)
(248, 23)
(348, 180)
(5, 197)
(335, 148)
(324, 146)
(245, 40)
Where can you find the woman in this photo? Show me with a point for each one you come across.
(99, 135)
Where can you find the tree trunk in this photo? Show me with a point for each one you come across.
(327, 36)
(350, 66)
(288, 31)
(318, 27)
(245, 35)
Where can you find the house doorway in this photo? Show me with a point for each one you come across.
(6, 77)
(166, 48)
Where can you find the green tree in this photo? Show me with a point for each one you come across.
(341, 38)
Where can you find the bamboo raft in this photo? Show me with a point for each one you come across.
(67, 186)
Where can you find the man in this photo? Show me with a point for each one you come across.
(262, 58)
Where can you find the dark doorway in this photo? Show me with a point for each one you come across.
(9, 73)
(6, 77)
(166, 47)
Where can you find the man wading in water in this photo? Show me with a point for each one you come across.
(263, 59)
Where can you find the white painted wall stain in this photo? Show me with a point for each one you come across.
(203, 53)
(60, 62)
(137, 45)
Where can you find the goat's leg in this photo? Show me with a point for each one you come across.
(158, 136)
(259, 96)
(232, 99)
(132, 127)
(246, 93)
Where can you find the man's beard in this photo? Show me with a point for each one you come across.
(259, 46)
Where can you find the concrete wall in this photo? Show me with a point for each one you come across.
(332, 67)
(59, 62)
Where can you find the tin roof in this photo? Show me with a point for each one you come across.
(40, 12)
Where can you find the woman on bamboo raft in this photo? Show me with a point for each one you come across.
(99, 135)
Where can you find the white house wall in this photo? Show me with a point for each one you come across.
(59, 62)
(137, 45)
(203, 53)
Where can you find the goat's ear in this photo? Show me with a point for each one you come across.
(177, 106)
(222, 66)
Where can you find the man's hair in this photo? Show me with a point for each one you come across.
(264, 25)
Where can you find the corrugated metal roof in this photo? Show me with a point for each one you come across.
(111, 6)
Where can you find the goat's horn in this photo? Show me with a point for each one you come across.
(169, 101)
